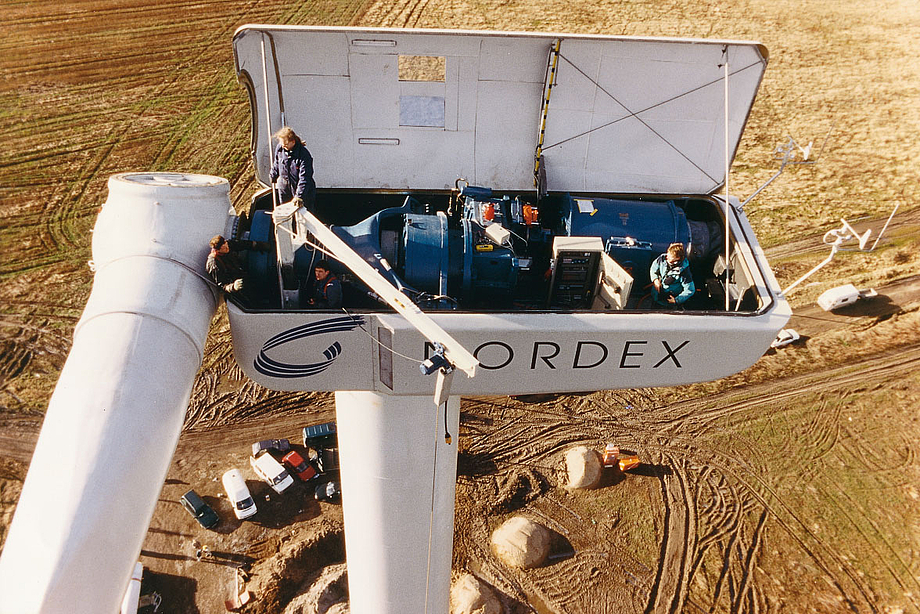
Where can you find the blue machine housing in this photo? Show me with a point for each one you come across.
(489, 270)
(447, 259)
(634, 232)
(427, 257)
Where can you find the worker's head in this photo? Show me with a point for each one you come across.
(287, 138)
(219, 244)
(676, 253)
(321, 270)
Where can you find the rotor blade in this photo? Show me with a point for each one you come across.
(454, 352)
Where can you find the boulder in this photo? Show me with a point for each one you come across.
(521, 542)
(470, 596)
(583, 466)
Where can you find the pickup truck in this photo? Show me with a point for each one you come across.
(271, 471)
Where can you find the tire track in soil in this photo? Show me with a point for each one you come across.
(400, 14)
(678, 542)
(820, 551)
(609, 572)
(59, 214)
(740, 490)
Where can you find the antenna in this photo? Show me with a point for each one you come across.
(862, 239)
(836, 238)
(787, 155)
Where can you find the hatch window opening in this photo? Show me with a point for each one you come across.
(423, 68)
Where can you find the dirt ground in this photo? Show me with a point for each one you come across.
(790, 487)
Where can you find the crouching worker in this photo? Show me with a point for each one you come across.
(327, 293)
(226, 265)
(672, 283)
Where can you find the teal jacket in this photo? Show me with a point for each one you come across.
(675, 279)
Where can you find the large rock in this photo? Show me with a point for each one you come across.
(470, 596)
(584, 467)
(520, 542)
(326, 593)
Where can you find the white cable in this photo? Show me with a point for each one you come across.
(268, 122)
(381, 343)
(727, 166)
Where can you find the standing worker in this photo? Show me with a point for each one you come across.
(293, 170)
(672, 283)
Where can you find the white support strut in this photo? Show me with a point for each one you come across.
(306, 221)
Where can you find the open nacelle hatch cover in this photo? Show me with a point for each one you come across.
(417, 109)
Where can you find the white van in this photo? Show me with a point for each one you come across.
(238, 493)
(270, 470)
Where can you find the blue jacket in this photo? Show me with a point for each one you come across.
(293, 170)
(679, 282)
(328, 293)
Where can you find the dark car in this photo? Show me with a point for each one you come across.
(319, 435)
(326, 460)
(304, 469)
(330, 491)
(279, 445)
(202, 512)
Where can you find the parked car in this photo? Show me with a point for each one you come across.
(330, 491)
(270, 470)
(785, 337)
(201, 511)
(238, 494)
(846, 294)
(279, 445)
(319, 435)
(325, 459)
(302, 468)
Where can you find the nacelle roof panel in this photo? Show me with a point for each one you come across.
(417, 109)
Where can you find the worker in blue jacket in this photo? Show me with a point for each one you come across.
(293, 170)
(672, 283)
(327, 293)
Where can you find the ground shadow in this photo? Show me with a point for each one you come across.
(560, 548)
(228, 520)
(651, 471)
(178, 592)
(475, 464)
(610, 476)
(227, 559)
(167, 556)
(467, 419)
(296, 504)
(165, 532)
(880, 306)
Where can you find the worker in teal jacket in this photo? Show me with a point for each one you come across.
(672, 283)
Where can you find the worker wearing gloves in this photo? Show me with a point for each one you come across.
(672, 283)
(293, 170)
(226, 264)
